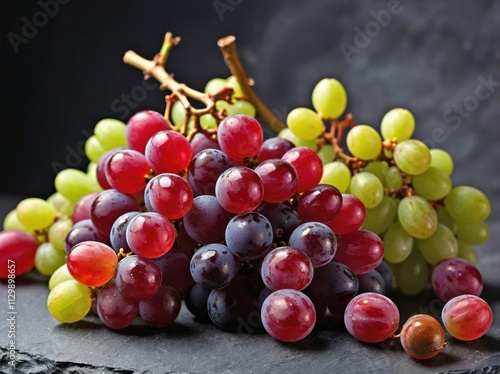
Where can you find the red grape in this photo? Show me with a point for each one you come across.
(240, 136)
(17, 252)
(142, 126)
(200, 142)
(81, 209)
(308, 166)
(204, 170)
(279, 179)
(170, 195)
(286, 267)
(351, 216)
(422, 337)
(274, 148)
(115, 310)
(320, 203)
(168, 152)
(174, 267)
(127, 171)
(162, 309)
(150, 235)
(361, 250)
(138, 278)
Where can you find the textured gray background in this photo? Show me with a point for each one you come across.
(428, 58)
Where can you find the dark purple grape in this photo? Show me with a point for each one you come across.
(316, 240)
(335, 285)
(162, 309)
(118, 232)
(204, 170)
(249, 235)
(115, 310)
(196, 302)
(201, 142)
(206, 221)
(214, 266)
(283, 220)
(321, 203)
(183, 242)
(371, 282)
(81, 232)
(274, 148)
(108, 206)
(386, 272)
(174, 267)
(138, 277)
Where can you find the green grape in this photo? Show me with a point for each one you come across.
(305, 123)
(473, 233)
(329, 98)
(35, 213)
(393, 179)
(215, 85)
(111, 133)
(412, 157)
(232, 82)
(91, 169)
(398, 244)
(439, 246)
(368, 188)
(177, 114)
(467, 205)
(73, 184)
(60, 275)
(326, 153)
(48, 259)
(93, 149)
(58, 232)
(363, 141)
(418, 217)
(336, 174)
(467, 252)
(241, 107)
(377, 168)
(221, 104)
(11, 222)
(207, 121)
(58, 201)
(69, 301)
(412, 275)
(432, 184)
(445, 218)
(288, 134)
(397, 123)
(379, 219)
(442, 160)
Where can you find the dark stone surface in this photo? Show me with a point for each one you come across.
(431, 57)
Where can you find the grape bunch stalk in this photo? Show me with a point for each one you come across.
(278, 234)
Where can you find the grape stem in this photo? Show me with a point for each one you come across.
(179, 91)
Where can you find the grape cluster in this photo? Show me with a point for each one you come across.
(255, 233)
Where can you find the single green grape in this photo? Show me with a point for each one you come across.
(73, 184)
(440, 246)
(69, 301)
(60, 275)
(232, 82)
(432, 184)
(241, 107)
(177, 114)
(286, 133)
(58, 232)
(467, 252)
(11, 222)
(368, 188)
(111, 133)
(58, 201)
(417, 217)
(329, 98)
(305, 123)
(221, 104)
(442, 160)
(467, 205)
(326, 153)
(91, 169)
(363, 141)
(48, 259)
(412, 157)
(93, 149)
(35, 213)
(214, 85)
(336, 174)
(398, 244)
(378, 168)
(393, 179)
(397, 123)
(379, 219)
(412, 275)
(207, 121)
(445, 218)
(473, 233)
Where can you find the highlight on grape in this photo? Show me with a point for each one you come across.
(195, 206)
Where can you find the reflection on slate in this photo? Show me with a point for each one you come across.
(439, 59)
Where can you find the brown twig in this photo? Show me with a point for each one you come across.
(227, 46)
